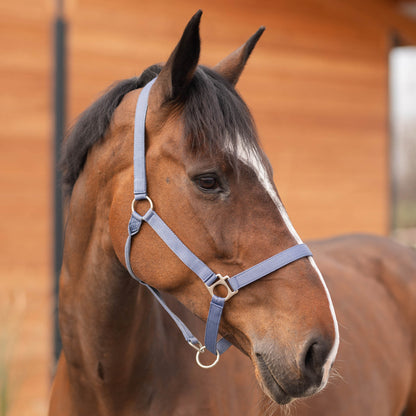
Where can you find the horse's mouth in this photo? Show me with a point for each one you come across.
(270, 384)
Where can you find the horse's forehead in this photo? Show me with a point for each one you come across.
(254, 161)
(124, 116)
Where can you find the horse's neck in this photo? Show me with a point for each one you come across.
(119, 345)
(113, 331)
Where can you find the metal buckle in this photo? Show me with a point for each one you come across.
(200, 349)
(223, 282)
(134, 201)
(196, 347)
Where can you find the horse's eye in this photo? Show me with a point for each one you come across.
(208, 183)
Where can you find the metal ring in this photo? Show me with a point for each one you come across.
(196, 347)
(202, 350)
(149, 200)
(222, 281)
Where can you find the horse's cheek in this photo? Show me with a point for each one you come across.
(118, 223)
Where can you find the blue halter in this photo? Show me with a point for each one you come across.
(210, 279)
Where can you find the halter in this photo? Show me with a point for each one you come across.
(210, 279)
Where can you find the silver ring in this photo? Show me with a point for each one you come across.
(202, 350)
(149, 200)
(196, 347)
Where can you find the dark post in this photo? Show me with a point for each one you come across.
(59, 119)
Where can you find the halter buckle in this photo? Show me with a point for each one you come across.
(222, 281)
(133, 210)
(201, 351)
(197, 347)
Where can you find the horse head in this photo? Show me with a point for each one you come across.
(211, 183)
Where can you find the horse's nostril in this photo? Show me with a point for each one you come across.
(314, 358)
(310, 357)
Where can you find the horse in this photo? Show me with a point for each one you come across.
(167, 194)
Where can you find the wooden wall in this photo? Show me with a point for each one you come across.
(316, 84)
(25, 204)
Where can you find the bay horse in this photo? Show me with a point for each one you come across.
(180, 142)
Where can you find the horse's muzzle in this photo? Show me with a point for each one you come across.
(290, 374)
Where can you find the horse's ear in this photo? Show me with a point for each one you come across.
(176, 75)
(232, 66)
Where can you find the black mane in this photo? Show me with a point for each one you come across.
(215, 118)
(92, 125)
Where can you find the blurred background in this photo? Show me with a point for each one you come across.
(331, 85)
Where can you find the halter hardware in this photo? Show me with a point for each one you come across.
(134, 201)
(201, 351)
(208, 277)
(222, 281)
(198, 346)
